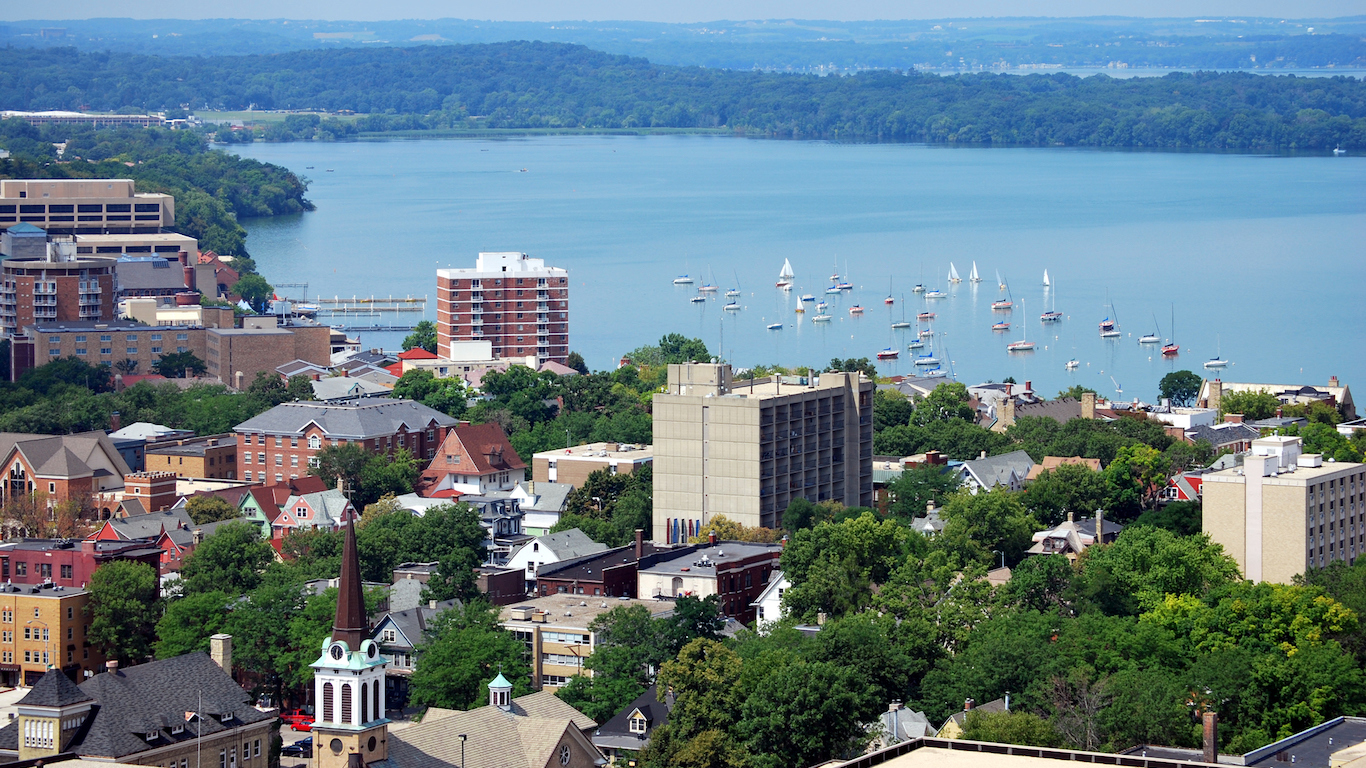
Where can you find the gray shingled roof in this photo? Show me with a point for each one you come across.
(63, 455)
(568, 544)
(995, 470)
(616, 733)
(1222, 434)
(53, 689)
(370, 418)
(412, 623)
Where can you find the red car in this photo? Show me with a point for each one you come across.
(297, 719)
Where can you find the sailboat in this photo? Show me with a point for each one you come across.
(698, 299)
(785, 276)
(953, 274)
(936, 294)
(1052, 315)
(1217, 361)
(973, 277)
(1046, 283)
(734, 292)
(888, 354)
(682, 280)
(920, 286)
(1006, 304)
(903, 322)
(732, 306)
(1072, 364)
(856, 310)
(775, 326)
(1024, 344)
(1154, 337)
(926, 359)
(889, 300)
(1109, 329)
(1171, 348)
(1001, 326)
(916, 344)
(821, 318)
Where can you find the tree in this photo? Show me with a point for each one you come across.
(726, 529)
(804, 714)
(1075, 392)
(345, 461)
(854, 365)
(206, 509)
(448, 395)
(977, 525)
(945, 402)
(1151, 563)
(1135, 478)
(706, 680)
(1182, 518)
(255, 291)
(127, 366)
(832, 565)
(189, 622)
(299, 388)
(1010, 728)
(459, 536)
(917, 486)
(231, 560)
(891, 409)
(1253, 405)
(175, 365)
(1069, 488)
(124, 605)
(676, 348)
(462, 651)
(423, 336)
(575, 361)
(1180, 387)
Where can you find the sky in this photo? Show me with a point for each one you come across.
(668, 10)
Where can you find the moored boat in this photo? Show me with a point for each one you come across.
(682, 280)
(888, 354)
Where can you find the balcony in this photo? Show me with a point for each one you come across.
(89, 301)
(40, 290)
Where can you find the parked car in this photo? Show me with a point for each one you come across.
(298, 719)
(300, 748)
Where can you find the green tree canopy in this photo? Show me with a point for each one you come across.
(1180, 386)
(174, 365)
(423, 337)
(232, 560)
(189, 622)
(125, 601)
(463, 650)
(209, 509)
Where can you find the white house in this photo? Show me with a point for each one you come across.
(1009, 470)
(552, 548)
(768, 606)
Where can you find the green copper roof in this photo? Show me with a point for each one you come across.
(500, 682)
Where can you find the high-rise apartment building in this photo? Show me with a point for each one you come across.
(747, 451)
(510, 299)
(44, 282)
(84, 206)
(1284, 511)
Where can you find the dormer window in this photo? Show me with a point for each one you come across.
(177, 729)
(225, 717)
(638, 723)
(315, 442)
(152, 735)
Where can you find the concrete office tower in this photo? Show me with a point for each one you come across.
(84, 206)
(510, 299)
(1283, 511)
(745, 450)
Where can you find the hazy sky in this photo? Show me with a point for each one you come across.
(665, 10)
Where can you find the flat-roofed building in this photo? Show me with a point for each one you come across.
(61, 117)
(84, 206)
(510, 299)
(169, 245)
(102, 343)
(48, 631)
(213, 457)
(46, 281)
(236, 355)
(555, 630)
(736, 572)
(746, 451)
(574, 465)
(1284, 511)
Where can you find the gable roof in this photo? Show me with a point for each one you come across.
(523, 738)
(1222, 434)
(999, 705)
(142, 430)
(413, 623)
(64, 455)
(1061, 411)
(352, 420)
(1053, 462)
(486, 446)
(417, 353)
(616, 732)
(995, 470)
(565, 545)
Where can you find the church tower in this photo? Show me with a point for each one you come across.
(350, 729)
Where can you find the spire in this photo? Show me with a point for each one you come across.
(350, 624)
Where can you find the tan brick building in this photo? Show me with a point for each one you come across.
(573, 465)
(48, 282)
(1283, 511)
(235, 355)
(213, 457)
(42, 625)
(84, 206)
(555, 630)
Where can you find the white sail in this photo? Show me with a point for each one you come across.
(953, 274)
(787, 273)
(1045, 279)
(973, 276)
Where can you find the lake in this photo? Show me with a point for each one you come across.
(1256, 257)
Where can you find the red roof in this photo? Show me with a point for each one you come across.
(133, 378)
(416, 353)
(449, 493)
(396, 369)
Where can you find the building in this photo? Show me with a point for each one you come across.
(168, 245)
(84, 467)
(953, 727)
(573, 465)
(45, 281)
(152, 311)
(398, 634)
(746, 451)
(768, 606)
(236, 355)
(473, 459)
(510, 299)
(101, 343)
(183, 711)
(1337, 742)
(44, 628)
(535, 731)
(212, 457)
(282, 442)
(1072, 537)
(942, 752)
(1232, 435)
(549, 549)
(541, 504)
(1284, 511)
(556, 632)
(172, 531)
(1334, 394)
(328, 509)
(84, 206)
(900, 724)
(66, 563)
(1008, 470)
(737, 572)
(610, 573)
(1053, 462)
(81, 118)
(261, 504)
(629, 730)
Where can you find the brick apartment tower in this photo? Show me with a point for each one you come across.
(510, 299)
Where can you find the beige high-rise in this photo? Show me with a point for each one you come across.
(1284, 511)
(746, 450)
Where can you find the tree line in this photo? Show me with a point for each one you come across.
(520, 85)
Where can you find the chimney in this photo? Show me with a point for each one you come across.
(112, 666)
(237, 381)
(1333, 381)
(1009, 386)
(1100, 526)
(220, 650)
(1211, 720)
(1029, 387)
(184, 258)
(968, 704)
(115, 421)
(894, 706)
(345, 373)
(1088, 405)
(190, 281)
(1233, 418)
(197, 536)
(1007, 413)
(640, 544)
(983, 455)
(929, 507)
(431, 605)
(711, 539)
(1216, 394)
(1279, 413)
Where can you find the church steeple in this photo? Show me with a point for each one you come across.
(350, 625)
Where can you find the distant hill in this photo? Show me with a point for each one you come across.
(554, 85)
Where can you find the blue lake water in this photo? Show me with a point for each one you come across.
(1260, 257)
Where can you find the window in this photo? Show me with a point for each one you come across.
(294, 442)
(7, 617)
(327, 703)
(70, 635)
(261, 457)
(80, 339)
(54, 351)
(246, 475)
(106, 350)
(279, 441)
(182, 337)
(638, 724)
(346, 703)
(131, 337)
(256, 748)
(156, 350)
(315, 442)
(222, 758)
(293, 461)
(314, 461)
(279, 478)
(21, 569)
(389, 636)
(246, 458)
(279, 459)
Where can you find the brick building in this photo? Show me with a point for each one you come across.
(236, 355)
(44, 625)
(213, 457)
(735, 571)
(608, 574)
(85, 467)
(473, 459)
(47, 282)
(281, 443)
(574, 465)
(510, 299)
(68, 563)
(84, 206)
